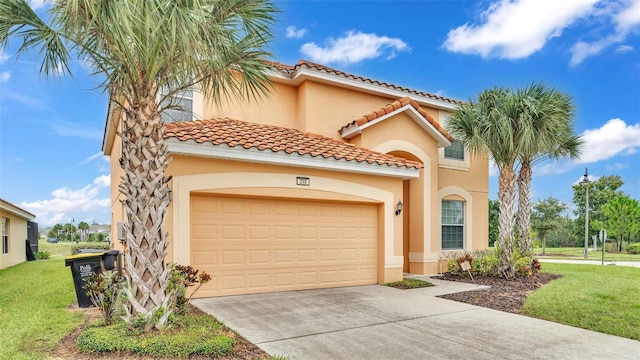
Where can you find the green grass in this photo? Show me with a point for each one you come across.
(576, 253)
(60, 249)
(194, 335)
(599, 298)
(34, 301)
(409, 283)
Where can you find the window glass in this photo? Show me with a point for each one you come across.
(452, 224)
(183, 107)
(5, 235)
(454, 151)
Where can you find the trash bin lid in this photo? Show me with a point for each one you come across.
(69, 259)
(112, 252)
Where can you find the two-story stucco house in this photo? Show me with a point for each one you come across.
(332, 180)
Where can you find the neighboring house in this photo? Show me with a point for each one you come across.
(301, 190)
(14, 223)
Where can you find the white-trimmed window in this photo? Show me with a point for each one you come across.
(455, 151)
(5, 235)
(182, 106)
(452, 225)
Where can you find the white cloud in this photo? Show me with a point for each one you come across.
(65, 201)
(5, 76)
(90, 159)
(3, 56)
(629, 17)
(617, 166)
(354, 47)
(591, 178)
(71, 129)
(554, 167)
(624, 49)
(626, 19)
(514, 29)
(294, 33)
(613, 138)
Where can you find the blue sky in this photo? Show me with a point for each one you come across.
(51, 129)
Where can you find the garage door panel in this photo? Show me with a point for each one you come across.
(262, 245)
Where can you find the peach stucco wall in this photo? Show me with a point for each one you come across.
(310, 107)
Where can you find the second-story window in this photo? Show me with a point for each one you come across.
(454, 151)
(181, 107)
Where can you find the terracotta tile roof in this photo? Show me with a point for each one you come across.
(262, 137)
(288, 69)
(393, 107)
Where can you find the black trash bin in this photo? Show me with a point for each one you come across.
(82, 266)
(111, 261)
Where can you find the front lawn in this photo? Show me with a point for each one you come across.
(600, 298)
(34, 301)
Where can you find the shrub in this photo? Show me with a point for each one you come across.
(486, 265)
(193, 335)
(182, 277)
(42, 255)
(104, 290)
(453, 267)
(634, 248)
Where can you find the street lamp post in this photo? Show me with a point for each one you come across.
(585, 181)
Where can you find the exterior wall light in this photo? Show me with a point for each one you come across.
(399, 206)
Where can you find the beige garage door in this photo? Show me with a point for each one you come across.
(255, 245)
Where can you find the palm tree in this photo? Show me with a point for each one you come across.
(83, 227)
(139, 48)
(546, 132)
(489, 124)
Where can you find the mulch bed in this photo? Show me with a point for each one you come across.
(504, 295)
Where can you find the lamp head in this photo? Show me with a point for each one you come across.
(399, 207)
(585, 178)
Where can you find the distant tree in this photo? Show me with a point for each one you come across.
(546, 217)
(84, 229)
(601, 192)
(69, 230)
(100, 236)
(622, 218)
(494, 218)
(563, 233)
(56, 232)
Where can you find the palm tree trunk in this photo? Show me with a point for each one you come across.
(524, 209)
(506, 196)
(147, 196)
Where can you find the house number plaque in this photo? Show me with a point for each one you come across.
(303, 181)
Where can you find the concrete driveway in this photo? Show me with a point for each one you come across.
(378, 322)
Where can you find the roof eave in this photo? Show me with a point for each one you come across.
(14, 210)
(238, 153)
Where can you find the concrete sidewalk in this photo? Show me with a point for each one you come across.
(379, 322)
